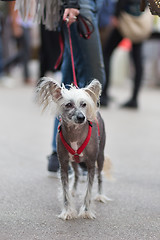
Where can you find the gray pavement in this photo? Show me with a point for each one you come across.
(29, 199)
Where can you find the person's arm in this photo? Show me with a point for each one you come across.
(71, 4)
(119, 6)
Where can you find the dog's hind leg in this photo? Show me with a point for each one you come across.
(100, 161)
(85, 211)
(69, 211)
(76, 177)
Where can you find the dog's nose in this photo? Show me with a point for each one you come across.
(80, 118)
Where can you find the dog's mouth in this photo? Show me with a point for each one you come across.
(79, 122)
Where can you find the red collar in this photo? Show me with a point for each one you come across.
(81, 148)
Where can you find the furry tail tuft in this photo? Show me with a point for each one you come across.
(107, 168)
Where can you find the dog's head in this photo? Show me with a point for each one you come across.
(74, 105)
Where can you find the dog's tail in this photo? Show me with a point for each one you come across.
(107, 168)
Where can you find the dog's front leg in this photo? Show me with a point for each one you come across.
(76, 177)
(69, 211)
(85, 211)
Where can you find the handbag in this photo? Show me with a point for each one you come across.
(136, 28)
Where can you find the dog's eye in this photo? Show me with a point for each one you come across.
(69, 105)
(83, 105)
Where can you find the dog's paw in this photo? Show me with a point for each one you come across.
(102, 198)
(68, 214)
(87, 214)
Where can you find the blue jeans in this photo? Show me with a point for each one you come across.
(88, 58)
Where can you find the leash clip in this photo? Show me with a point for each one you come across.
(76, 157)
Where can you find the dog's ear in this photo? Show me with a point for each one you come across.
(47, 91)
(94, 90)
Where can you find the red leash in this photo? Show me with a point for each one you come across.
(72, 58)
(61, 44)
(88, 26)
(85, 29)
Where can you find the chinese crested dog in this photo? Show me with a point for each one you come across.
(81, 138)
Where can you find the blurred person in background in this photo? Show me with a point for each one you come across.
(1, 52)
(104, 20)
(16, 36)
(132, 7)
(22, 36)
(1, 56)
(5, 39)
(152, 56)
(3, 19)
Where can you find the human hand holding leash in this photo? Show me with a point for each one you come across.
(70, 15)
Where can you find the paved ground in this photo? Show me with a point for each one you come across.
(29, 199)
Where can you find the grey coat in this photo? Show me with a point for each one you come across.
(52, 8)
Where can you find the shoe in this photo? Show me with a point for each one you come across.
(103, 100)
(130, 104)
(53, 163)
(83, 166)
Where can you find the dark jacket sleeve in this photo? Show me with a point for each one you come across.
(71, 4)
(119, 6)
(122, 5)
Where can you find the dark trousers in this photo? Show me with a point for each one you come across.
(49, 51)
(136, 54)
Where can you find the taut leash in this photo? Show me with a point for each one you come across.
(85, 28)
(72, 57)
